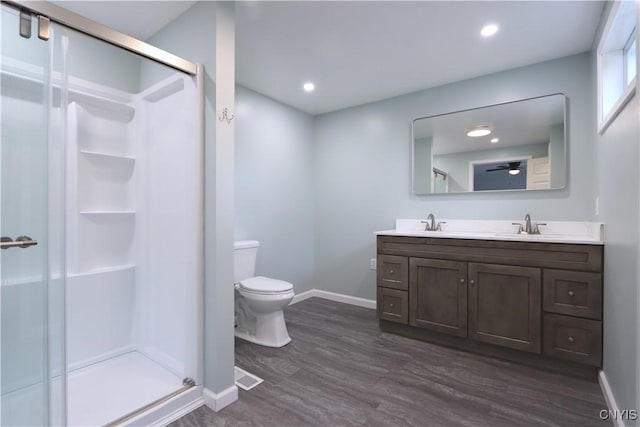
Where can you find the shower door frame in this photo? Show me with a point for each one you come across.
(94, 29)
(101, 32)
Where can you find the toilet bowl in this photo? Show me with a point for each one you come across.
(259, 300)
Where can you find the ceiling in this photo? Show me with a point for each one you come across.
(362, 51)
(140, 19)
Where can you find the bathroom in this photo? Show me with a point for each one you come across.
(314, 187)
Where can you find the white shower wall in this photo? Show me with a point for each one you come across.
(168, 250)
(132, 218)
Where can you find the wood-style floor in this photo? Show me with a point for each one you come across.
(341, 370)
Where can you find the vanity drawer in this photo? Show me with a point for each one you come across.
(393, 305)
(578, 340)
(574, 293)
(393, 272)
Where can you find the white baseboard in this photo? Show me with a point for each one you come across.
(609, 399)
(302, 296)
(347, 299)
(217, 401)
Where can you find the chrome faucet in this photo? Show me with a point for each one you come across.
(527, 224)
(528, 228)
(430, 224)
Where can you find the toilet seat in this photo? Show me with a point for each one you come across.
(265, 286)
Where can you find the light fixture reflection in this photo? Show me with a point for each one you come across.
(489, 30)
(494, 140)
(478, 131)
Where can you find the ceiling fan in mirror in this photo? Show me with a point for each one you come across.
(513, 168)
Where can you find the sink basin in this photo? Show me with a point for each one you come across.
(542, 237)
(554, 232)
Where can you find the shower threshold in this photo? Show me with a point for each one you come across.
(103, 392)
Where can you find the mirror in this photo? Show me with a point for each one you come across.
(512, 146)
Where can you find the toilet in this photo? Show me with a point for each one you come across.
(259, 300)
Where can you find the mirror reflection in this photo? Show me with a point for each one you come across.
(513, 146)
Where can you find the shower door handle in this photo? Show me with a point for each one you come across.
(20, 242)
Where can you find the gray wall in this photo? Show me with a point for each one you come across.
(617, 177)
(362, 158)
(422, 165)
(274, 186)
(617, 186)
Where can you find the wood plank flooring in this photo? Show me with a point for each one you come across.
(341, 370)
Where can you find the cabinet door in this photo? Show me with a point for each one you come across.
(438, 295)
(505, 306)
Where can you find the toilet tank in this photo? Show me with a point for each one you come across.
(244, 259)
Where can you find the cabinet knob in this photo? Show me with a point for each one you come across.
(462, 280)
(570, 339)
(391, 271)
(391, 305)
(571, 293)
(472, 282)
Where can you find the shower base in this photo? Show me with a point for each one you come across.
(103, 392)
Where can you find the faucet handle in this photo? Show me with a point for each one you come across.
(439, 226)
(536, 230)
(520, 227)
(426, 225)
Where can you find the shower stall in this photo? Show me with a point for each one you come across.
(101, 221)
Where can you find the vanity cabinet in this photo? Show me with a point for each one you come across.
(527, 301)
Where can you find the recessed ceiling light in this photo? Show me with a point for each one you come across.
(489, 30)
(478, 131)
(494, 140)
(309, 87)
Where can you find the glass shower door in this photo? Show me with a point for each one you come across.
(25, 268)
(99, 295)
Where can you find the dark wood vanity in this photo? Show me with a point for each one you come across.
(530, 302)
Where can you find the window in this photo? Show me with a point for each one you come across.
(629, 55)
(617, 51)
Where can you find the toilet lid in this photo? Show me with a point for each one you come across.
(265, 285)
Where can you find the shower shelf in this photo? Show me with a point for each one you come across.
(107, 156)
(107, 212)
(103, 270)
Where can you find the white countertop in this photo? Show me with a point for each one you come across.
(573, 232)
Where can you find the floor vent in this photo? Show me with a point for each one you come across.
(245, 380)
